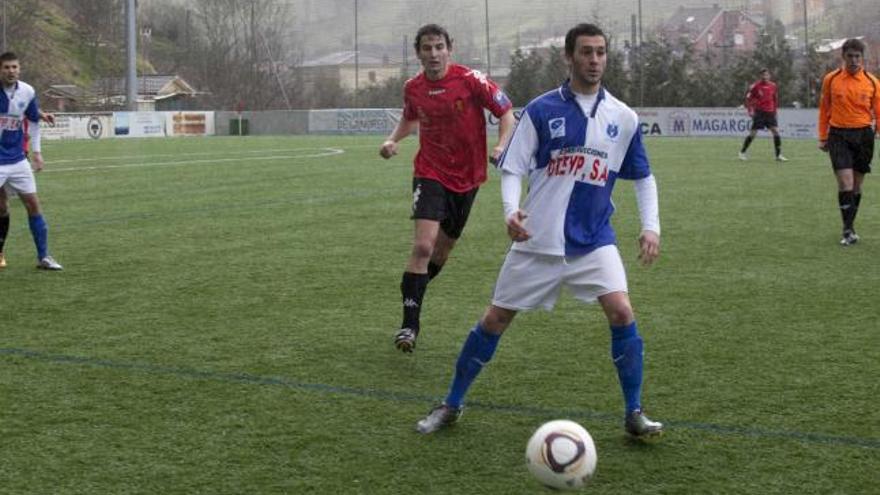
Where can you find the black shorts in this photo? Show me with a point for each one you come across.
(432, 201)
(763, 120)
(851, 148)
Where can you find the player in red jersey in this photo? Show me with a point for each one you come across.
(762, 100)
(445, 104)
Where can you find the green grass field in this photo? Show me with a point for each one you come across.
(224, 321)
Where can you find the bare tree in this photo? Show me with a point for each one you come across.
(241, 46)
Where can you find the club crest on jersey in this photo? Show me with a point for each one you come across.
(557, 127)
(501, 98)
(613, 130)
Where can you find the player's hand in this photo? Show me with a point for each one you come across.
(495, 156)
(516, 226)
(388, 149)
(823, 145)
(649, 247)
(49, 118)
(36, 160)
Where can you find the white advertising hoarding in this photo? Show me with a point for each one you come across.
(78, 126)
(709, 122)
(138, 124)
(353, 121)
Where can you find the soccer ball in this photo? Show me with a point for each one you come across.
(561, 454)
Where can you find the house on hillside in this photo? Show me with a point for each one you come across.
(712, 30)
(154, 93)
(342, 69)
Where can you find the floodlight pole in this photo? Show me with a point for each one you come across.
(641, 61)
(356, 60)
(4, 25)
(807, 59)
(131, 55)
(488, 51)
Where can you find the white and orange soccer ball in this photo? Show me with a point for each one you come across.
(561, 454)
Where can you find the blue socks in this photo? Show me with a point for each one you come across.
(627, 354)
(478, 350)
(40, 233)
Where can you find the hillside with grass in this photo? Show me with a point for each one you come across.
(59, 42)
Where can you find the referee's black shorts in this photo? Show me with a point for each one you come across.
(851, 148)
(763, 120)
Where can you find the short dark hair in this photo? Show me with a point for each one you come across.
(432, 30)
(582, 29)
(853, 44)
(7, 57)
(763, 70)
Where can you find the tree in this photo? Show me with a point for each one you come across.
(389, 94)
(524, 81)
(240, 40)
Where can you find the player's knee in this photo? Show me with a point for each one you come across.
(620, 314)
(496, 320)
(422, 250)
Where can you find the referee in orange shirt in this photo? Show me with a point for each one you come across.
(849, 105)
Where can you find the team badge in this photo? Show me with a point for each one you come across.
(612, 130)
(557, 127)
(501, 99)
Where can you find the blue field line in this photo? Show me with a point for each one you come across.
(247, 378)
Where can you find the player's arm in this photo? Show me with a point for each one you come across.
(775, 99)
(749, 102)
(824, 113)
(515, 218)
(516, 162)
(876, 101)
(32, 113)
(649, 214)
(403, 129)
(49, 118)
(635, 167)
(505, 130)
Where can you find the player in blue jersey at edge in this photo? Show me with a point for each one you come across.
(4, 196)
(572, 143)
(18, 102)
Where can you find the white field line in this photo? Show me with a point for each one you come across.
(178, 155)
(325, 152)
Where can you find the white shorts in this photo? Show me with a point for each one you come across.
(18, 177)
(531, 280)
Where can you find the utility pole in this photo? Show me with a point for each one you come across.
(4, 25)
(131, 54)
(809, 81)
(488, 50)
(405, 59)
(641, 62)
(356, 58)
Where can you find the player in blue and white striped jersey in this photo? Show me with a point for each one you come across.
(573, 144)
(18, 102)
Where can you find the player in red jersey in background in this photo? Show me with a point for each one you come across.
(762, 100)
(445, 104)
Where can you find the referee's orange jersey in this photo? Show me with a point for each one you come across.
(848, 101)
